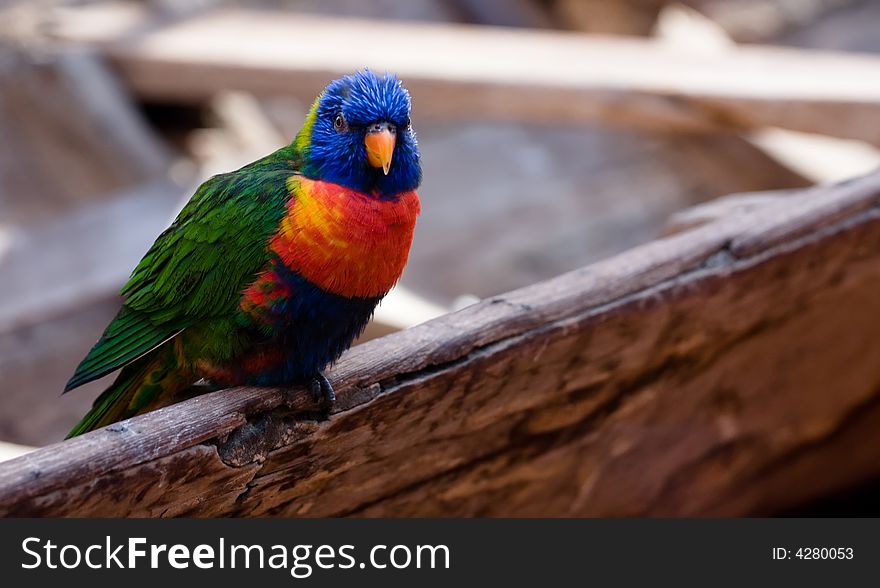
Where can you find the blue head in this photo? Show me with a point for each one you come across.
(358, 134)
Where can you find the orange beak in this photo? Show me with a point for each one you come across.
(379, 142)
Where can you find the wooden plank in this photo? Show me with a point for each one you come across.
(673, 419)
(466, 73)
(675, 378)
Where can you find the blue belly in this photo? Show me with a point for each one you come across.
(312, 328)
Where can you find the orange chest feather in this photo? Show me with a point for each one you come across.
(346, 242)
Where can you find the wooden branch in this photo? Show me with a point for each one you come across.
(732, 369)
(479, 72)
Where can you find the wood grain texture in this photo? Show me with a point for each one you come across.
(730, 369)
(467, 72)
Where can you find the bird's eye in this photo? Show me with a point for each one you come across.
(339, 123)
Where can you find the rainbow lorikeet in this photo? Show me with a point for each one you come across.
(270, 272)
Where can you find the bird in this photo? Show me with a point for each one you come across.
(270, 272)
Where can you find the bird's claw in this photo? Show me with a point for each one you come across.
(322, 391)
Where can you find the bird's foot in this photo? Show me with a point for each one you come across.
(322, 391)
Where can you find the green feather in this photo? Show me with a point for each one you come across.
(139, 384)
(109, 406)
(198, 267)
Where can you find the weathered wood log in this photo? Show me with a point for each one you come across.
(730, 369)
(480, 72)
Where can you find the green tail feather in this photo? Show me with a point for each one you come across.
(139, 384)
(128, 337)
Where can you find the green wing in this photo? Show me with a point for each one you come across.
(197, 268)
